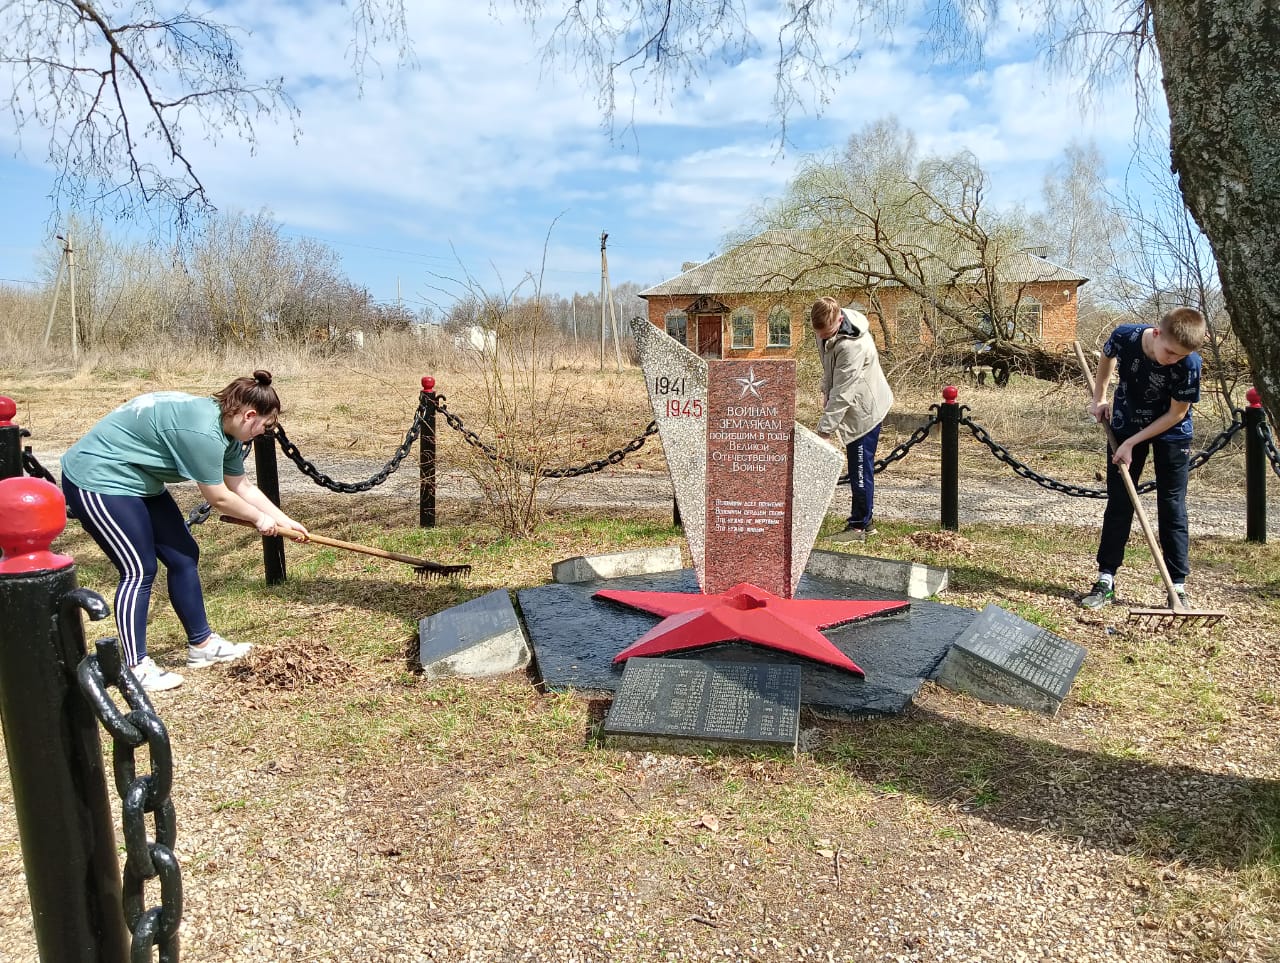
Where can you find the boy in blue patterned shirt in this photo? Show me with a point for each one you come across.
(1158, 382)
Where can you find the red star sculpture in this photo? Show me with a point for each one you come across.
(747, 613)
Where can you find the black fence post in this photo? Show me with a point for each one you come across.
(264, 462)
(1255, 469)
(427, 456)
(949, 416)
(10, 440)
(51, 736)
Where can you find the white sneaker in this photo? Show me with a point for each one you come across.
(215, 649)
(153, 678)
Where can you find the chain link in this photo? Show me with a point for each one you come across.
(900, 452)
(599, 464)
(1078, 491)
(35, 469)
(373, 481)
(29, 463)
(1268, 445)
(144, 859)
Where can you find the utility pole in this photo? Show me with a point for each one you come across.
(606, 295)
(604, 280)
(71, 277)
(67, 264)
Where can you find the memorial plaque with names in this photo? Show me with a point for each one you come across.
(1006, 659)
(750, 420)
(695, 702)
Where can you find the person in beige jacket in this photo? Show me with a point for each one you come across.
(855, 399)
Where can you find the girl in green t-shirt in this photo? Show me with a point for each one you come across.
(114, 479)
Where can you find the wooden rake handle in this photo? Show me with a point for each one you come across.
(338, 543)
(1152, 543)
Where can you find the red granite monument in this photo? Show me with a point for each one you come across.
(740, 464)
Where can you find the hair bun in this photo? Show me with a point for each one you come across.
(262, 377)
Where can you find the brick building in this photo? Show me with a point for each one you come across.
(753, 302)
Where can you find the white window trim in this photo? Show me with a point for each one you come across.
(733, 328)
(769, 342)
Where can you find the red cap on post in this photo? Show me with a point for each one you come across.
(428, 383)
(950, 393)
(32, 514)
(7, 410)
(1253, 396)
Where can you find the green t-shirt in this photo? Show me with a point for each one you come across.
(151, 441)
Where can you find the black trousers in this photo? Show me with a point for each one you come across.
(1172, 461)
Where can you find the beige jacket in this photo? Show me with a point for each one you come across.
(857, 394)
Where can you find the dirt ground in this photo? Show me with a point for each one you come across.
(354, 811)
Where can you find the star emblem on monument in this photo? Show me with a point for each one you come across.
(749, 614)
(751, 384)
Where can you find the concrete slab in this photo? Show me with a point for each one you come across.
(478, 638)
(676, 381)
(817, 468)
(640, 561)
(912, 579)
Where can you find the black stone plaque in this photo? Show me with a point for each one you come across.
(1006, 659)
(685, 702)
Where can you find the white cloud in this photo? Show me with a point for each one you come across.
(476, 152)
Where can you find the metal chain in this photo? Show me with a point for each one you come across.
(917, 436)
(35, 469)
(1269, 445)
(29, 463)
(599, 464)
(900, 452)
(144, 859)
(373, 481)
(1025, 471)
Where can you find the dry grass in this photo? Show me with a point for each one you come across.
(359, 405)
(334, 805)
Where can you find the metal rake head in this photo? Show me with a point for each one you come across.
(433, 570)
(1174, 618)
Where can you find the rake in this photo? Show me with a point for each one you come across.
(422, 568)
(1176, 613)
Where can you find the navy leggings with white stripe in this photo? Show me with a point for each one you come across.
(136, 533)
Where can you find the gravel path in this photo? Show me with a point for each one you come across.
(1013, 500)
(1009, 499)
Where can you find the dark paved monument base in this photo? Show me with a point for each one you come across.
(575, 638)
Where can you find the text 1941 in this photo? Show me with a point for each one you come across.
(662, 385)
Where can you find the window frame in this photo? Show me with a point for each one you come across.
(750, 316)
(667, 318)
(776, 312)
(1029, 307)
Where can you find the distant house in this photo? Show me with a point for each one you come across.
(753, 300)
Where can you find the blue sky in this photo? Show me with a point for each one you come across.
(469, 161)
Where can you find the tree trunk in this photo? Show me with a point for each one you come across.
(1221, 63)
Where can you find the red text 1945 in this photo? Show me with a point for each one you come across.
(687, 408)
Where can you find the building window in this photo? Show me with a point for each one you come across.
(744, 328)
(678, 326)
(779, 327)
(1030, 318)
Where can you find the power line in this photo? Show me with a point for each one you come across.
(369, 247)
